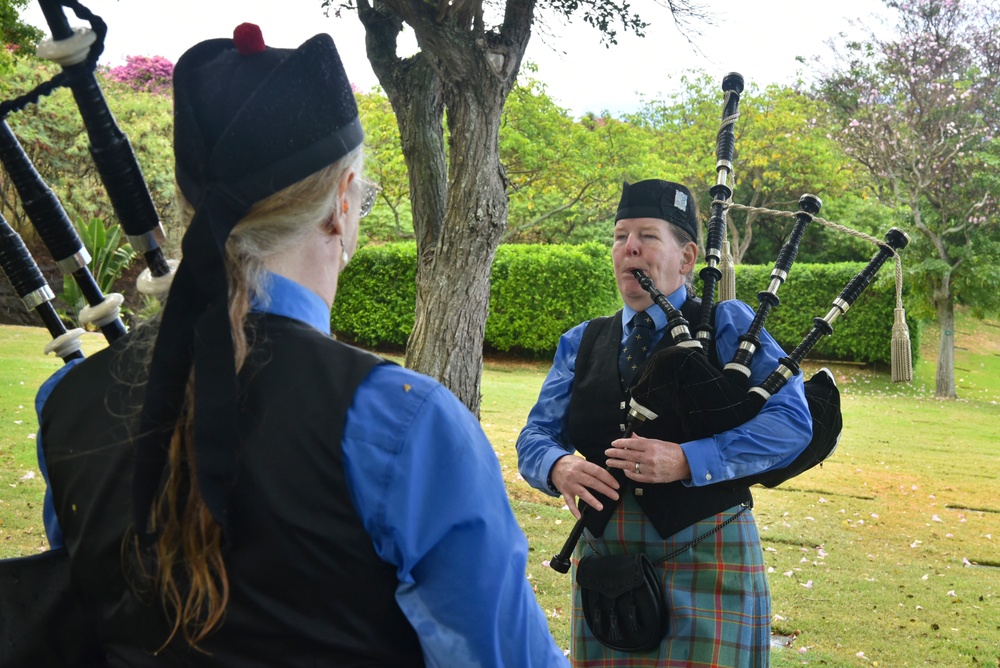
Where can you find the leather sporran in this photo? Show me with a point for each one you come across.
(623, 602)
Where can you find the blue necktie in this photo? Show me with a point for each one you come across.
(636, 347)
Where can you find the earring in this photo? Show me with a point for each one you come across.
(345, 206)
(344, 257)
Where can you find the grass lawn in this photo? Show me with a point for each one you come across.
(887, 556)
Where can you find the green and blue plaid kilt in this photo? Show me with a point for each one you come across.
(716, 591)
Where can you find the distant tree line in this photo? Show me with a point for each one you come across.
(902, 131)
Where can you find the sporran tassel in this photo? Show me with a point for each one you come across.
(615, 633)
(633, 616)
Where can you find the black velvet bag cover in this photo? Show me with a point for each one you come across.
(41, 621)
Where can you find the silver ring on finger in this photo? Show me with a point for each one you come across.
(637, 467)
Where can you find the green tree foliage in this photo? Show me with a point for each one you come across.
(17, 35)
(385, 165)
(565, 175)
(540, 154)
(682, 129)
(918, 112)
(783, 150)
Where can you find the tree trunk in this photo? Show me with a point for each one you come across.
(459, 203)
(944, 387)
(453, 272)
(944, 305)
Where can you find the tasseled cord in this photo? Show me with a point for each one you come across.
(902, 359)
(727, 285)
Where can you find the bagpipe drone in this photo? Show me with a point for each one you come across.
(77, 51)
(41, 623)
(680, 395)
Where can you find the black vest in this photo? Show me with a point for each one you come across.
(597, 415)
(306, 586)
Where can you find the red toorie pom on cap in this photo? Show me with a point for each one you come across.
(248, 39)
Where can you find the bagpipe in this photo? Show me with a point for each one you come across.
(680, 395)
(77, 52)
(42, 622)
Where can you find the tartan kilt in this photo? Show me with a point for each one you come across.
(716, 592)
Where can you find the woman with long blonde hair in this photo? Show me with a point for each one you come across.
(278, 498)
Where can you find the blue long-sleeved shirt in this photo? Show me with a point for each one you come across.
(773, 438)
(427, 486)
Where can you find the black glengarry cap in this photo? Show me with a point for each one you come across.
(249, 121)
(655, 198)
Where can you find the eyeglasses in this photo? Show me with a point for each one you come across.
(369, 193)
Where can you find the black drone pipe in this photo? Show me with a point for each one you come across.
(35, 293)
(57, 232)
(895, 240)
(112, 154)
(739, 368)
(725, 149)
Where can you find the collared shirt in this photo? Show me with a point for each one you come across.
(427, 486)
(773, 438)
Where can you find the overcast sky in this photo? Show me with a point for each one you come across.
(758, 38)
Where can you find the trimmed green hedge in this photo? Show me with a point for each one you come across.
(377, 294)
(538, 292)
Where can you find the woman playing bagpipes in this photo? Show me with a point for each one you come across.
(679, 504)
(235, 487)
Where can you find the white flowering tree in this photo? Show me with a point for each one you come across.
(918, 110)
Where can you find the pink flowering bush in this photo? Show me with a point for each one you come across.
(144, 74)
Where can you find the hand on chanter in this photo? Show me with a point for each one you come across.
(649, 460)
(576, 477)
